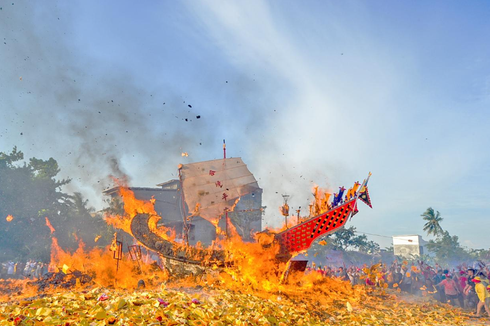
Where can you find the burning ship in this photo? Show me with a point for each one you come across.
(219, 199)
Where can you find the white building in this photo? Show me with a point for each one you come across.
(409, 245)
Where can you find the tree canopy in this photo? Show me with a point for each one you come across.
(446, 247)
(448, 250)
(30, 193)
(433, 218)
(346, 239)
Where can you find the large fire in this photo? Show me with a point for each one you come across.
(252, 266)
(249, 289)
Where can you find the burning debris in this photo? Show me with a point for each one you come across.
(214, 188)
(243, 283)
(10, 288)
(62, 280)
(231, 281)
(318, 301)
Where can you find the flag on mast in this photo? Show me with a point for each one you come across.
(364, 196)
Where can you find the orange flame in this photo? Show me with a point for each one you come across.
(9, 218)
(101, 264)
(254, 264)
(253, 267)
(48, 224)
(113, 246)
(133, 207)
(321, 201)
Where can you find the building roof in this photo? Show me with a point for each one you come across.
(114, 190)
(407, 235)
(420, 240)
(169, 184)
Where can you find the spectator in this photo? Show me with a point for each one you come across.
(460, 279)
(438, 278)
(342, 274)
(469, 290)
(3, 273)
(10, 269)
(406, 282)
(450, 289)
(390, 278)
(483, 295)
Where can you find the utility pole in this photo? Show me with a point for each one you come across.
(224, 149)
(285, 209)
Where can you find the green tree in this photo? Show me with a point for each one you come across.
(79, 222)
(22, 197)
(7, 160)
(447, 249)
(347, 238)
(480, 254)
(31, 193)
(432, 226)
(370, 247)
(343, 239)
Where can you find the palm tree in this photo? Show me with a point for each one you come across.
(433, 219)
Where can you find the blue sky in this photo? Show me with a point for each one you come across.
(311, 92)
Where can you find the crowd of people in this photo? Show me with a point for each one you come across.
(466, 287)
(19, 270)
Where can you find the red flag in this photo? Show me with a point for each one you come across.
(355, 211)
(364, 196)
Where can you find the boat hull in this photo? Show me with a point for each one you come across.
(300, 237)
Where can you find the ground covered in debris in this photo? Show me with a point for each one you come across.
(324, 302)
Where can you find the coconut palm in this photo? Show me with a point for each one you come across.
(433, 222)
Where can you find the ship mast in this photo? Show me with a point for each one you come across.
(364, 184)
(224, 150)
(186, 228)
(226, 209)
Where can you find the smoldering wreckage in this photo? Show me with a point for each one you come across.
(225, 202)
